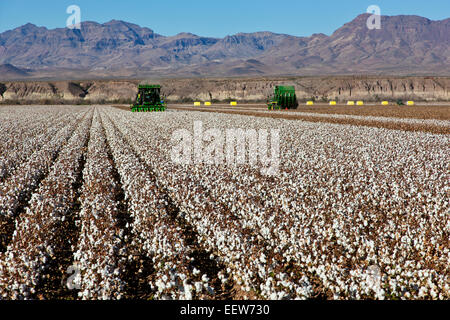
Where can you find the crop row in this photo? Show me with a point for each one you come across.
(21, 138)
(100, 255)
(352, 212)
(44, 233)
(153, 231)
(339, 188)
(28, 174)
(250, 262)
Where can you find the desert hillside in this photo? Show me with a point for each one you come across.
(250, 89)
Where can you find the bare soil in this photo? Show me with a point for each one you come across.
(438, 112)
(414, 112)
(432, 112)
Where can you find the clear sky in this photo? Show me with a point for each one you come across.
(215, 18)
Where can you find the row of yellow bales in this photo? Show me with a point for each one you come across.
(358, 103)
(311, 103)
(207, 103)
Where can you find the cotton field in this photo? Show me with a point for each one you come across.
(93, 205)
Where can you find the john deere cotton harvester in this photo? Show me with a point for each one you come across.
(149, 99)
(283, 97)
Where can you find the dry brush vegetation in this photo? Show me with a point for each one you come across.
(94, 188)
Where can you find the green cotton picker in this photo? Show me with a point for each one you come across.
(283, 97)
(149, 99)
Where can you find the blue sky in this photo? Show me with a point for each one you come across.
(215, 18)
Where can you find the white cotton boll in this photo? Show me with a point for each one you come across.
(422, 292)
(188, 294)
(262, 258)
(365, 159)
(433, 294)
(198, 286)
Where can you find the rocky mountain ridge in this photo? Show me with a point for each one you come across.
(404, 45)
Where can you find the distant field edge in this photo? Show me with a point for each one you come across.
(358, 122)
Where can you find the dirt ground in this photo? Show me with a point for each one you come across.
(416, 112)
(439, 113)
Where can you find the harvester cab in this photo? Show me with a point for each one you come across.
(283, 97)
(149, 99)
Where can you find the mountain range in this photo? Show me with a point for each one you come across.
(405, 45)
